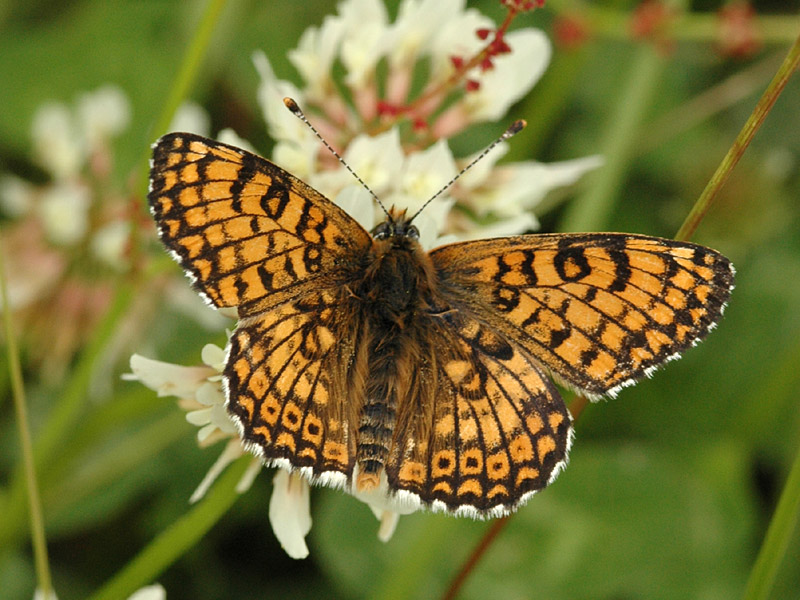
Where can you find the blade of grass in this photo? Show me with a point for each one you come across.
(591, 210)
(760, 112)
(783, 523)
(38, 539)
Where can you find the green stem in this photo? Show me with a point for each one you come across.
(591, 210)
(67, 410)
(190, 64)
(783, 523)
(760, 112)
(38, 538)
(176, 539)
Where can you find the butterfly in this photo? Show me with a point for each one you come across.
(360, 360)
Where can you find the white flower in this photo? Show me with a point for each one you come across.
(103, 113)
(365, 43)
(64, 211)
(16, 196)
(110, 243)
(150, 592)
(191, 118)
(290, 512)
(57, 143)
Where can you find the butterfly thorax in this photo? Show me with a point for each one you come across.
(399, 276)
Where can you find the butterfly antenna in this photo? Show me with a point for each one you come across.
(293, 106)
(515, 128)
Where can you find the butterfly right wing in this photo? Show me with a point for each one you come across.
(482, 429)
(248, 233)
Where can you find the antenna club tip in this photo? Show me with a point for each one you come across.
(292, 106)
(515, 128)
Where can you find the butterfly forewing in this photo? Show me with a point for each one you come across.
(250, 234)
(597, 310)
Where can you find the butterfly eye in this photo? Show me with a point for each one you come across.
(412, 232)
(382, 231)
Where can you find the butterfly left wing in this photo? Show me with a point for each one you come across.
(599, 311)
(248, 233)
(482, 427)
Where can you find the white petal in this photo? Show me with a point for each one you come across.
(191, 118)
(283, 125)
(290, 512)
(64, 211)
(150, 592)
(426, 172)
(16, 195)
(104, 113)
(199, 417)
(365, 41)
(229, 136)
(110, 244)
(357, 202)
(249, 476)
(213, 356)
(233, 450)
(168, 379)
(377, 160)
(389, 521)
(57, 143)
(512, 77)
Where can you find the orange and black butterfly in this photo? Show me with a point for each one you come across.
(362, 360)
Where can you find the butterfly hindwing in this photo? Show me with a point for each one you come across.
(599, 311)
(494, 432)
(249, 234)
(285, 379)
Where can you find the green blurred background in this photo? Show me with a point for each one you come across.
(670, 487)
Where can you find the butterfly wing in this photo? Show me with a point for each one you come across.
(248, 233)
(286, 380)
(483, 427)
(251, 235)
(599, 311)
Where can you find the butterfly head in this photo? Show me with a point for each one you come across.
(397, 225)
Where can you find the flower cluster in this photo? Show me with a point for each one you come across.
(390, 127)
(68, 236)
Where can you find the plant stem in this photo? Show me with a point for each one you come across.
(38, 538)
(783, 523)
(742, 141)
(176, 539)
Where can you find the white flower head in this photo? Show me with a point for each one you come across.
(103, 114)
(57, 143)
(64, 212)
